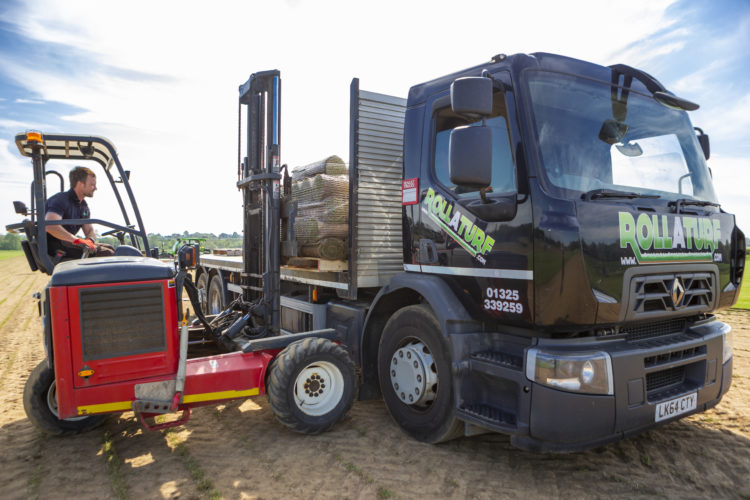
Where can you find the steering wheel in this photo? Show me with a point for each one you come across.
(120, 235)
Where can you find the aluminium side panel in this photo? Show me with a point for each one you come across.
(376, 167)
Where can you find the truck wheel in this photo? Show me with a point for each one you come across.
(40, 403)
(202, 285)
(415, 376)
(311, 385)
(215, 300)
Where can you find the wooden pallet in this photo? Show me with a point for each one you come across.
(313, 264)
(227, 251)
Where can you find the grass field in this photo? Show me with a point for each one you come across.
(7, 254)
(744, 301)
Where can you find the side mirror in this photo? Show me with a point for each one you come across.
(470, 156)
(703, 141)
(472, 96)
(20, 208)
(127, 176)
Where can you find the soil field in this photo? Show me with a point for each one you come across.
(238, 450)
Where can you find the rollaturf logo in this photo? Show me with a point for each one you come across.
(666, 239)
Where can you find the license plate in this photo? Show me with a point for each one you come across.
(676, 406)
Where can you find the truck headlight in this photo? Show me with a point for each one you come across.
(589, 372)
(728, 345)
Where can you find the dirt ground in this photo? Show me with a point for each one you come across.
(237, 450)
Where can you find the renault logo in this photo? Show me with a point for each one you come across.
(677, 292)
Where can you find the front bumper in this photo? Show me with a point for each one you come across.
(645, 373)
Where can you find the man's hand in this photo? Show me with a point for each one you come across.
(87, 243)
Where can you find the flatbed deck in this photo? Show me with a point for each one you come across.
(330, 279)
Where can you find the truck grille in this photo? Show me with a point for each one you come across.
(654, 329)
(674, 356)
(663, 379)
(122, 320)
(679, 292)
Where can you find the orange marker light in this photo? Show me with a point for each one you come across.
(86, 372)
(33, 137)
(315, 294)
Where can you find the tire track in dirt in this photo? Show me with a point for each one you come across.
(367, 456)
(150, 467)
(246, 453)
(20, 350)
(32, 463)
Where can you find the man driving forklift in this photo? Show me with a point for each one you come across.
(62, 242)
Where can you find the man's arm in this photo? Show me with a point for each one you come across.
(59, 232)
(88, 231)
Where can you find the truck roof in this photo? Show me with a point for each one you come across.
(518, 62)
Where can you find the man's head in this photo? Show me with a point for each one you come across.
(83, 181)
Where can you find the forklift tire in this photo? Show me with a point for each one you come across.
(202, 285)
(414, 370)
(40, 404)
(312, 385)
(215, 296)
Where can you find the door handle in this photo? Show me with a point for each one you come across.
(427, 252)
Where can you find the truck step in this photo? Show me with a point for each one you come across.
(488, 416)
(500, 358)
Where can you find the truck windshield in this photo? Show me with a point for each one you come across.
(594, 135)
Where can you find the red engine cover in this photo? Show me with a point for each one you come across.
(109, 333)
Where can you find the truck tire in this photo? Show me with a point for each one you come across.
(40, 404)
(414, 370)
(202, 285)
(215, 300)
(311, 385)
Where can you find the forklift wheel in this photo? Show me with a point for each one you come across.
(40, 403)
(311, 385)
(202, 285)
(215, 300)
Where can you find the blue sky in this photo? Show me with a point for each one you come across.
(160, 79)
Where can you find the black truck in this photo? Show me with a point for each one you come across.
(539, 236)
(534, 248)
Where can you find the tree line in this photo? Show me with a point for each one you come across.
(164, 243)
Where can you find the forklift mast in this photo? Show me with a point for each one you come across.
(260, 181)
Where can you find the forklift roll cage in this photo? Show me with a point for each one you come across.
(44, 147)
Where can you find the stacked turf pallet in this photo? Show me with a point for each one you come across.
(321, 191)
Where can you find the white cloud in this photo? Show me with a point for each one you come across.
(15, 182)
(178, 135)
(28, 101)
(733, 196)
(729, 120)
(21, 125)
(697, 81)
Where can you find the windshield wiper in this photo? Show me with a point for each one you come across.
(677, 204)
(595, 194)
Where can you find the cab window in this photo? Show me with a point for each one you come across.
(503, 170)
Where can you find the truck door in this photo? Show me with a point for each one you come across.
(480, 243)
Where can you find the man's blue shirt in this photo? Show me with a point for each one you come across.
(68, 206)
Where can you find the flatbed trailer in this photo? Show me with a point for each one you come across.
(375, 246)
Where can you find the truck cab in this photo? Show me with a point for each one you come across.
(578, 279)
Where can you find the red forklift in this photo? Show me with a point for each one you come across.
(115, 333)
